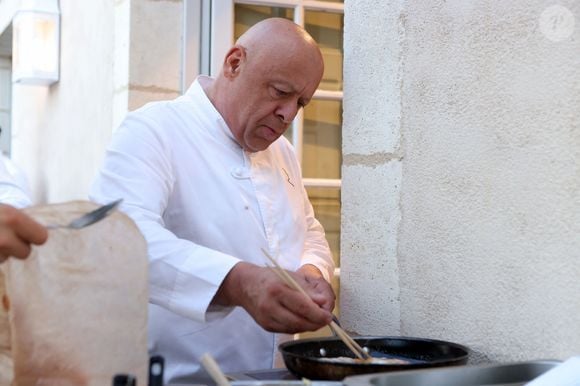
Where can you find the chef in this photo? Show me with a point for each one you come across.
(210, 181)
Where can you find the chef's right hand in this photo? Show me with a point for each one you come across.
(17, 232)
(273, 305)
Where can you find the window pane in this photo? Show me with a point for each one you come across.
(322, 150)
(326, 203)
(326, 28)
(248, 15)
(288, 134)
(5, 104)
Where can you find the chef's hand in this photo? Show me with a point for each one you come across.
(310, 278)
(275, 306)
(17, 232)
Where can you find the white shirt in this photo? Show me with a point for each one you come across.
(11, 192)
(204, 204)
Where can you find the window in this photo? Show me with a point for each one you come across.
(5, 89)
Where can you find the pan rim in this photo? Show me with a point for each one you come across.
(459, 358)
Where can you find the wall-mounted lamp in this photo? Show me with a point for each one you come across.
(36, 42)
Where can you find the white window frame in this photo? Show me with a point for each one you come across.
(6, 104)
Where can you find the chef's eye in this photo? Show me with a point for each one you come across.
(280, 93)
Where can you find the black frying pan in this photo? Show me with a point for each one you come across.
(302, 357)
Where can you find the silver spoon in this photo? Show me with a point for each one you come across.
(89, 218)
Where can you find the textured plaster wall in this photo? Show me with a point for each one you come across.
(488, 243)
(371, 171)
(155, 51)
(115, 57)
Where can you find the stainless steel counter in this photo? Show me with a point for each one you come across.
(512, 374)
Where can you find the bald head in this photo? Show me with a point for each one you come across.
(278, 41)
(270, 73)
(277, 33)
(274, 26)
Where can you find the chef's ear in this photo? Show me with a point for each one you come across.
(234, 59)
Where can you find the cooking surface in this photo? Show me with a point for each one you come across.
(511, 374)
(262, 375)
(274, 375)
(269, 377)
(514, 374)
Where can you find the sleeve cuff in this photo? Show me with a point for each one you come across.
(326, 268)
(191, 294)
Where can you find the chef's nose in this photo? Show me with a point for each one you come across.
(287, 111)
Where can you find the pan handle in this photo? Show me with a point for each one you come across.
(156, 367)
(124, 380)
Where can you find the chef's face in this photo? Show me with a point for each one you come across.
(269, 93)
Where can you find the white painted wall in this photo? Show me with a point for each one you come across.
(461, 176)
(59, 133)
(115, 57)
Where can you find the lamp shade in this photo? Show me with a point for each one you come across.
(36, 43)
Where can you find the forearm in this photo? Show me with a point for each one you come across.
(310, 270)
(184, 276)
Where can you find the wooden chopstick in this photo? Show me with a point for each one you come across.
(289, 280)
(351, 343)
(214, 370)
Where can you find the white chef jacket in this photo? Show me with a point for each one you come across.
(11, 192)
(204, 204)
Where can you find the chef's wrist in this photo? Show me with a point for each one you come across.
(310, 270)
(230, 291)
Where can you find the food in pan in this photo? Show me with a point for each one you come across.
(371, 361)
